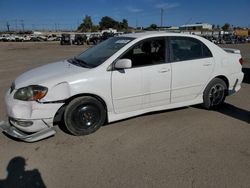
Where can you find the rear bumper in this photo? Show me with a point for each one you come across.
(16, 133)
(235, 82)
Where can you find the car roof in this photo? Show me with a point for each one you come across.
(155, 34)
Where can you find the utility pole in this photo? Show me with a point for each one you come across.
(8, 26)
(22, 24)
(162, 11)
(16, 24)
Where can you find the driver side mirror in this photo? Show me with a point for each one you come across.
(123, 64)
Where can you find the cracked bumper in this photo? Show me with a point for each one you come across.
(30, 116)
(33, 137)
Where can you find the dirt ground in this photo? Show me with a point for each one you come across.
(186, 147)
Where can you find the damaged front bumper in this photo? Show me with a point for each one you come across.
(33, 137)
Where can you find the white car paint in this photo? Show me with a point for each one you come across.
(129, 93)
(142, 88)
(190, 85)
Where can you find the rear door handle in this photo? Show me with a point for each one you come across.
(164, 70)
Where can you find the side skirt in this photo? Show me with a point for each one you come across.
(115, 117)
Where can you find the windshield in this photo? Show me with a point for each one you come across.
(96, 55)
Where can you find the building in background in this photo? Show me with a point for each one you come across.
(196, 27)
(241, 32)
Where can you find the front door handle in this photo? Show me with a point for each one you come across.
(207, 64)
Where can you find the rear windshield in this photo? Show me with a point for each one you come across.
(96, 55)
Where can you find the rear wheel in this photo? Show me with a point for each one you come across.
(84, 115)
(214, 94)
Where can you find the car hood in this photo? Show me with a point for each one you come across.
(47, 73)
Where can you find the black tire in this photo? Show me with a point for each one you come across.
(84, 115)
(215, 93)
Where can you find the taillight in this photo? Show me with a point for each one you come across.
(241, 61)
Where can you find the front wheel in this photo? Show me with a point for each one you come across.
(214, 94)
(84, 115)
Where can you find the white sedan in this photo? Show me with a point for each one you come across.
(121, 77)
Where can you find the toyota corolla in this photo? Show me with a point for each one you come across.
(121, 77)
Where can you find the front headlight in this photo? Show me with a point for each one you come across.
(31, 93)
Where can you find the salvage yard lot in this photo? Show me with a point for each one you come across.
(186, 147)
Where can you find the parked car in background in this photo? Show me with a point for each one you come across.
(1, 37)
(8, 38)
(119, 78)
(42, 38)
(93, 38)
(248, 39)
(65, 39)
(211, 38)
(240, 39)
(26, 38)
(79, 39)
(107, 35)
(53, 37)
(35, 39)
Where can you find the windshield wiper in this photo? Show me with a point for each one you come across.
(82, 63)
(79, 62)
(72, 61)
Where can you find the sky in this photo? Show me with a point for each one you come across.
(68, 14)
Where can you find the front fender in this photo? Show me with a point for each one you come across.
(60, 91)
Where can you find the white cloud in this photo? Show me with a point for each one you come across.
(167, 5)
(134, 9)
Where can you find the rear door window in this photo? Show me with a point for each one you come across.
(186, 48)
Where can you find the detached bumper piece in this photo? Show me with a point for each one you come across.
(14, 132)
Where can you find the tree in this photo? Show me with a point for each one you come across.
(225, 27)
(107, 22)
(87, 24)
(218, 27)
(95, 28)
(124, 24)
(153, 26)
